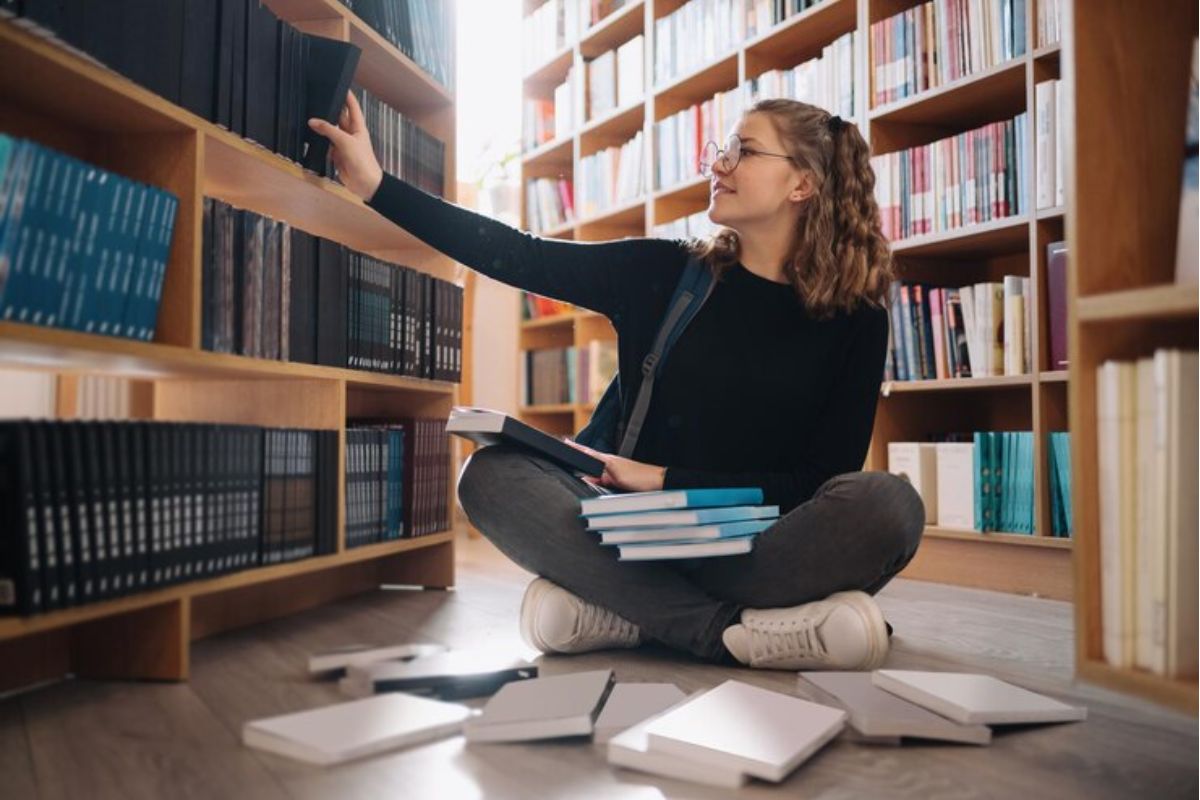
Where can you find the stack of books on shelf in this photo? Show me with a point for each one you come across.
(685, 523)
(614, 78)
(826, 81)
(538, 122)
(546, 31)
(81, 248)
(1146, 439)
(570, 374)
(97, 510)
(261, 281)
(397, 480)
(969, 331)
(549, 203)
(1049, 22)
(1048, 147)
(611, 177)
(938, 42)
(681, 137)
(420, 29)
(402, 147)
(762, 15)
(696, 225)
(695, 35)
(975, 176)
(984, 481)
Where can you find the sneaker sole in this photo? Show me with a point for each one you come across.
(863, 604)
(533, 598)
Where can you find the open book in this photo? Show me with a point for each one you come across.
(486, 426)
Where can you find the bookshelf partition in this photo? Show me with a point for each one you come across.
(55, 97)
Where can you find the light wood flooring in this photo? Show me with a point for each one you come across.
(142, 740)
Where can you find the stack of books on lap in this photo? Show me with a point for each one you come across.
(685, 523)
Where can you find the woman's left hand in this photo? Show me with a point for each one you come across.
(623, 473)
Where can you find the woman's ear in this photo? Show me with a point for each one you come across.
(804, 188)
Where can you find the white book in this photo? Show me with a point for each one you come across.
(542, 708)
(1046, 148)
(757, 731)
(1180, 380)
(1115, 407)
(956, 485)
(737, 545)
(630, 70)
(966, 298)
(359, 728)
(1014, 326)
(1150, 548)
(971, 699)
(631, 749)
(631, 703)
(338, 660)
(881, 717)
(1060, 161)
(916, 462)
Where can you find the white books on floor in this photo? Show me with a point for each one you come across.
(359, 728)
(916, 462)
(757, 731)
(663, 519)
(974, 699)
(878, 715)
(956, 485)
(631, 748)
(337, 660)
(734, 546)
(542, 708)
(631, 703)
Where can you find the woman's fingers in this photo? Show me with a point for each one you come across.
(330, 132)
(357, 123)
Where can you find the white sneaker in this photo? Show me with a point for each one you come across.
(555, 621)
(845, 631)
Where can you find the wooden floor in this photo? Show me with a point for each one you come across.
(128, 740)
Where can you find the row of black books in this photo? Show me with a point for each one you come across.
(397, 480)
(403, 148)
(95, 510)
(273, 291)
(418, 28)
(80, 247)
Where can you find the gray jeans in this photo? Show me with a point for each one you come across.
(857, 531)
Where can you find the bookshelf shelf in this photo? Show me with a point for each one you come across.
(1050, 54)
(552, 72)
(554, 155)
(955, 384)
(1020, 539)
(1147, 303)
(971, 100)
(630, 214)
(555, 321)
(1054, 376)
(1057, 212)
(614, 128)
(614, 30)
(694, 188)
(564, 231)
(696, 86)
(1005, 235)
(800, 37)
(549, 408)
(67, 102)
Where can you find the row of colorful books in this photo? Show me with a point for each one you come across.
(549, 203)
(568, 374)
(611, 177)
(826, 81)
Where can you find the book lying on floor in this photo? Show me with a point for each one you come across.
(631, 749)
(631, 703)
(664, 519)
(448, 676)
(880, 717)
(975, 699)
(333, 663)
(543, 708)
(345, 731)
(655, 551)
(684, 533)
(627, 502)
(485, 426)
(737, 726)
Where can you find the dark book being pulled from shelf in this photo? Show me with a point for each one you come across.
(328, 72)
(485, 426)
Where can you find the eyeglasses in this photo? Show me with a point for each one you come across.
(730, 155)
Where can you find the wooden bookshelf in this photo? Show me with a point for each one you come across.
(1121, 235)
(54, 97)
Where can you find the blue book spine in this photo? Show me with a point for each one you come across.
(58, 238)
(977, 457)
(167, 231)
(15, 252)
(110, 192)
(133, 313)
(71, 278)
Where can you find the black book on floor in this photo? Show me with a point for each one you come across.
(198, 56)
(328, 72)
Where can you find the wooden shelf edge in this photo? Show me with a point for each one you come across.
(998, 537)
(16, 627)
(549, 408)
(961, 234)
(888, 388)
(1179, 694)
(612, 215)
(1150, 302)
(675, 84)
(787, 27)
(596, 37)
(547, 150)
(964, 84)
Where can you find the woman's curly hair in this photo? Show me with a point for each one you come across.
(840, 256)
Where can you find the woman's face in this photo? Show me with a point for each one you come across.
(762, 185)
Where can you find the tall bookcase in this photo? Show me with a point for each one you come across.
(908, 411)
(52, 96)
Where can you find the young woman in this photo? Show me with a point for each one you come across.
(773, 384)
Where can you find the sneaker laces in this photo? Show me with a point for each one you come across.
(597, 622)
(772, 639)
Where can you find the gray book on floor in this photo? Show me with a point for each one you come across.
(971, 698)
(631, 703)
(334, 663)
(543, 708)
(448, 676)
(879, 717)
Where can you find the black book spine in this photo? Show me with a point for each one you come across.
(65, 516)
(237, 114)
(81, 518)
(199, 55)
(20, 583)
(223, 66)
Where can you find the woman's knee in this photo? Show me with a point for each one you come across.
(891, 508)
(481, 473)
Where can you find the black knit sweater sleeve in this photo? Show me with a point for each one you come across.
(840, 434)
(602, 276)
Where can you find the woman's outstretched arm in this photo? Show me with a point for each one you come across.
(595, 275)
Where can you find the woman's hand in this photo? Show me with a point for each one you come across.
(352, 154)
(623, 473)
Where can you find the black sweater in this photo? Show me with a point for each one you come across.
(754, 393)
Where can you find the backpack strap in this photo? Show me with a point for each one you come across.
(693, 290)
